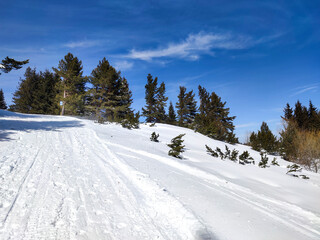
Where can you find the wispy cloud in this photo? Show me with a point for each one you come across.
(246, 125)
(306, 88)
(123, 65)
(193, 46)
(83, 44)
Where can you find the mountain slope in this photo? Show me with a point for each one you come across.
(68, 178)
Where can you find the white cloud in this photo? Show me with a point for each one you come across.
(193, 46)
(123, 65)
(83, 44)
(304, 89)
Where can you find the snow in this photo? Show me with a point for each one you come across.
(1, 66)
(69, 178)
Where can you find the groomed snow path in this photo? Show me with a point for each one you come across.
(67, 178)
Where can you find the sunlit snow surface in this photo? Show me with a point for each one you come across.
(67, 178)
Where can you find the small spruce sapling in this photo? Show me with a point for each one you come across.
(221, 155)
(264, 160)
(211, 152)
(176, 146)
(234, 155)
(245, 158)
(295, 168)
(275, 162)
(154, 137)
(227, 153)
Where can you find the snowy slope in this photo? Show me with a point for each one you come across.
(67, 178)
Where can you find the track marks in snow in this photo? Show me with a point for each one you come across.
(288, 214)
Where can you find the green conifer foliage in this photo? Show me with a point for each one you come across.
(213, 119)
(172, 119)
(245, 158)
(149, 111)
(234, 155)
(176, 146)
(264, 140)
(186, 108)
(161, 103)
(275, 162)
(9, 64)
(3, 104)
(211, 152)
(110, 97)
(72, 87)
(264, 160)
(154, 137)
(37, 93)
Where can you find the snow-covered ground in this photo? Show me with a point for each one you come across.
(67, 178)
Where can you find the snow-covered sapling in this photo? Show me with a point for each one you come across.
(227, 153)
(234, 155)
(211, 152)
(275, 162)
(153, 124)
(176, 146)
(245, 158)
(295, 168)
(221, 155)
(154, 137)
(264, 160)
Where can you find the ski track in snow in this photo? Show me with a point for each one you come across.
(70, 182)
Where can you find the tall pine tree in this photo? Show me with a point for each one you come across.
(213, 119)
(149, 111)
(186, 107)
(110, 97)
(171, 119)
(72, 88)
(3, 104)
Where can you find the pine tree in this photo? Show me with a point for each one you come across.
(211, 152)
(288, 112)
(275, 162)
(9, 64)
(3, 104)
(154, 137)
(110, 97)
(213, 119)
(234, 155)
(176, 146)
(264, 160)
(300, 115)
(264, 139)
(72, 87)
(313, 123)
(150, 95)
(172, 115)
(37, 93)
(186, 108)
(161, 103)
(245, 158)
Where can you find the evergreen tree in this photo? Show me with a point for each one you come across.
(264, 139)
(234, 155)
(3, 104)
(288, 112)
(264, 160)
(37, 93)
(213, 119)
(161, 103)
(186, 108)
(9, 64)
(150, 95)
(72, 87)
(110, 97)
(300, 115)
(211, 152)
(275, 162)
(313, 123)
(154, 137)
(245, 158)
(172, 115)
(176, 146)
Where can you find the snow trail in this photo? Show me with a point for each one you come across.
(67, 178)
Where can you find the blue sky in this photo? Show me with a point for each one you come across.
(256, 55)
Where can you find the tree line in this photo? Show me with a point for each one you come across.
(299, 139)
